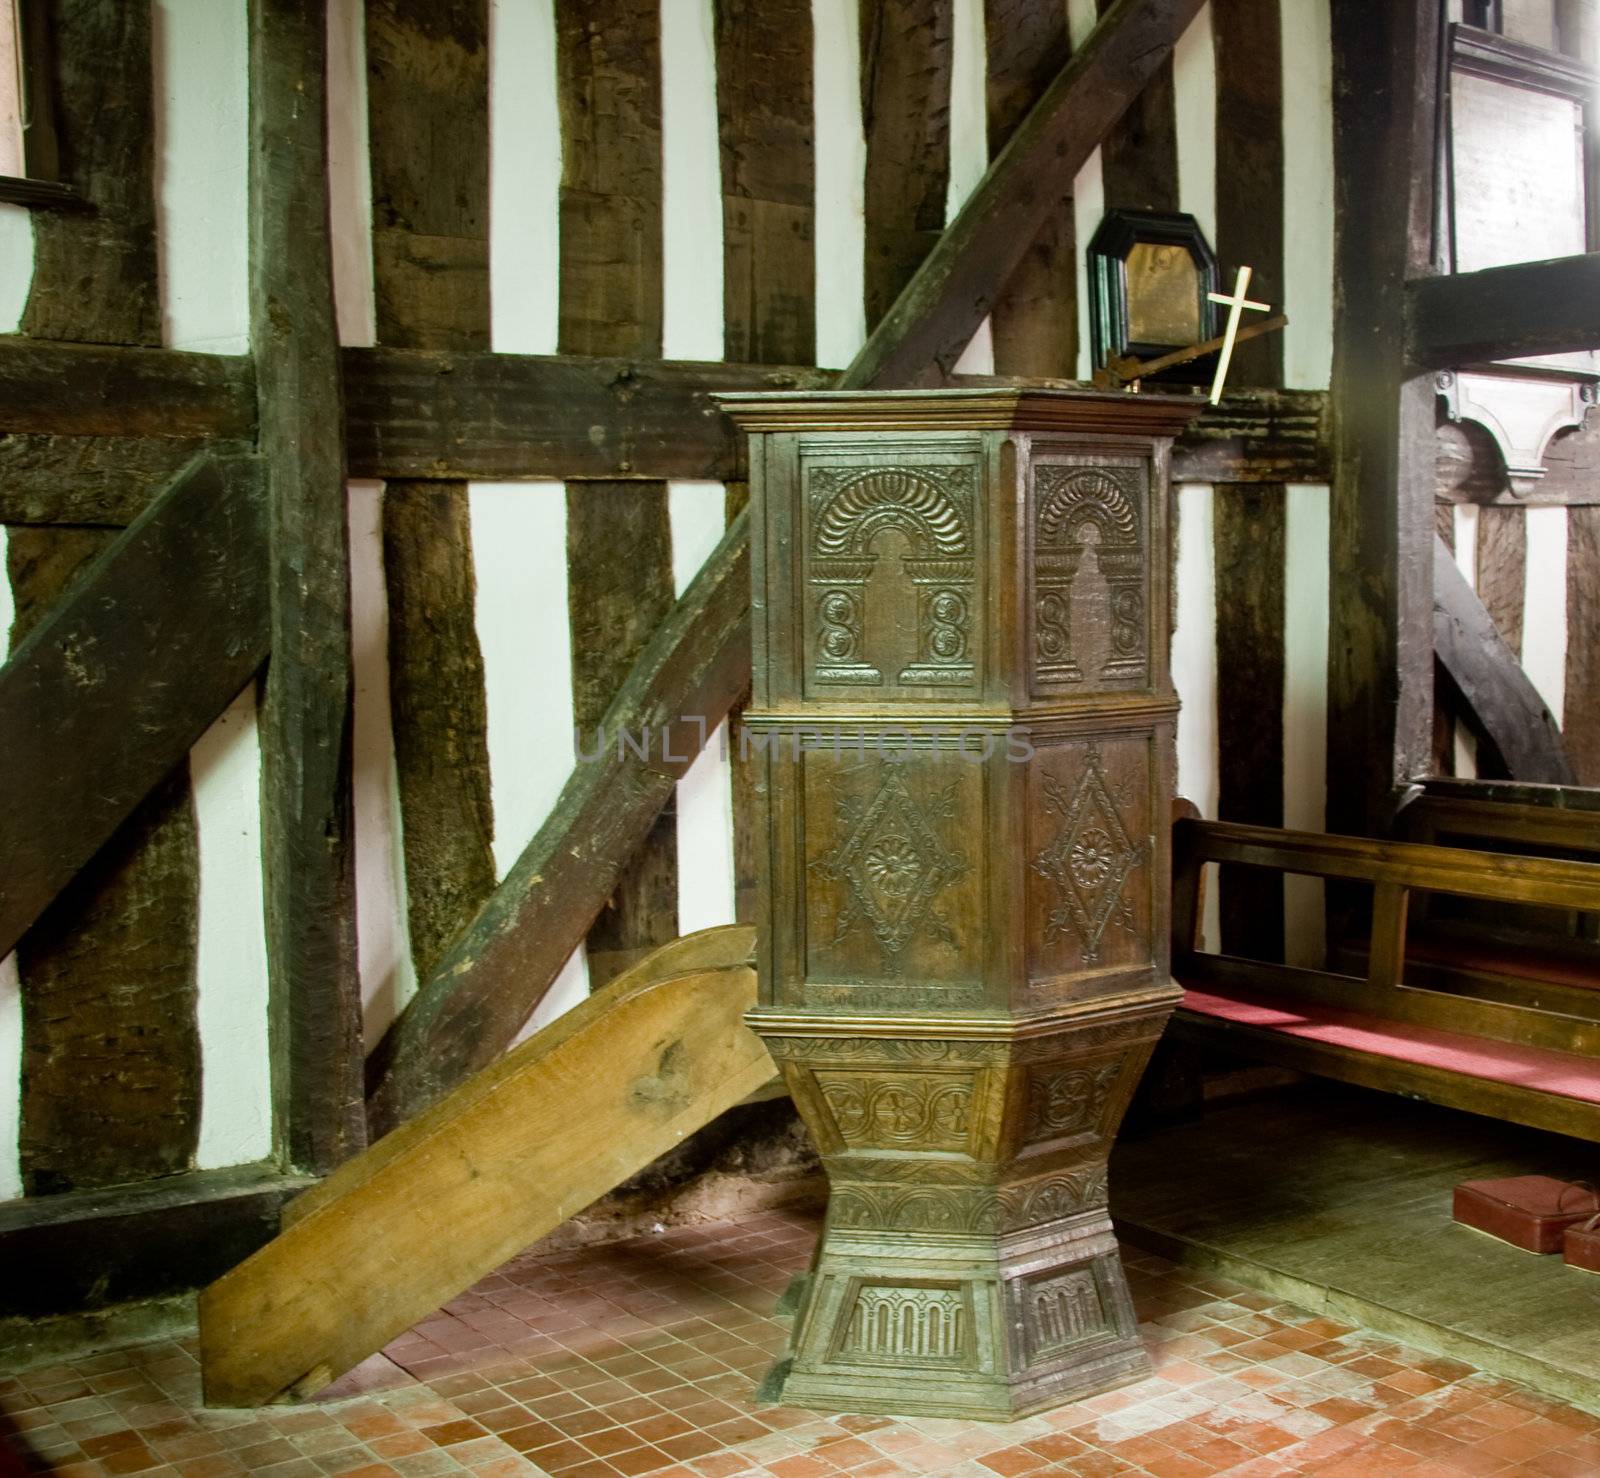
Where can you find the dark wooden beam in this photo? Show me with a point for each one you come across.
(765, 125)
(97, 480)
(307, 826)
(428, 106)
(1380, 671)
(92, 1250)
(94, 276)
(100, 390)
(905, 116)
(124, 675)
(1500, 700)
(1139, 154)
(489, 981)
(1250, 521)
(1034, 325)
(512, 417)
(1465, 318)
(923, 334)
(619, 543)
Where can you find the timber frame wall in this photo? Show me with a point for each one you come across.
(100, 427)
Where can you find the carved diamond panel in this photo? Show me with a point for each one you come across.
(892, 876)
(1090, 855)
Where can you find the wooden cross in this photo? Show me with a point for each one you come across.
(1236, 306)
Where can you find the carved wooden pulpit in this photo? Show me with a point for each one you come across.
(963, 717)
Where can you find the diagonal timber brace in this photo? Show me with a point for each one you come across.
(126, 673)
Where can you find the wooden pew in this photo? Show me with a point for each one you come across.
(1386, 1027)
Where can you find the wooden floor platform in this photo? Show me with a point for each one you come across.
(1339, 1199)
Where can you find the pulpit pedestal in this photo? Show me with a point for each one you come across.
(963, 719)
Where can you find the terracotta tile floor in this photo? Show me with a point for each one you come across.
(643, 1357)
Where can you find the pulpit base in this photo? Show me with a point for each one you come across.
(984, 1328)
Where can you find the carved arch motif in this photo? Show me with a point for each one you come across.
(849, 509)
(1068, 500)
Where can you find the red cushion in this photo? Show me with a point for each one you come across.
(1565, 1074)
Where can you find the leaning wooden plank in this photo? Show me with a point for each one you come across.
(1491, 681)
(921, 337)
(689, 954)
(1580, 719)
(491, 978)
(620, 1079)
(125, 675)
(308, 841)
(1550, 307)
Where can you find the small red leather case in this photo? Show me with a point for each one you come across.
(1529, 1211)
(1581, 1245)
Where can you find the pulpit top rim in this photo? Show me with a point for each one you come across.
(1030, 409)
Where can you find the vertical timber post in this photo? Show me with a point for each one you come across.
(306, 707)
(1380, 675)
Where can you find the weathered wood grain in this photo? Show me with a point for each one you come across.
(1380, 670)
(1580, 721)
(919, 340)
(619, 549)
(1249, 531)
(111, 1048)
(428, 103)
(1139, 154)
(438, 712)
(608, 63)
(592, 1099)
(1503, 570)
(493, 976)
(307, 824)
(94, 276)
(100, 390)
(613, 533)
(154, 640)
(1500, 699)
(1034, 324)
(1466, 318)
(764, 119)
(99, 480)
(905, 115)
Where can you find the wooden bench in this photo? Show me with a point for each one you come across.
(1386, 1027)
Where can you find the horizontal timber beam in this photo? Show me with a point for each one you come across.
(512, 417)
(96, 390)
(90, 1250)
(1550, 307)
(112, 689)
(1500, 698)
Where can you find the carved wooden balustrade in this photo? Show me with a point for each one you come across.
(962, 602)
